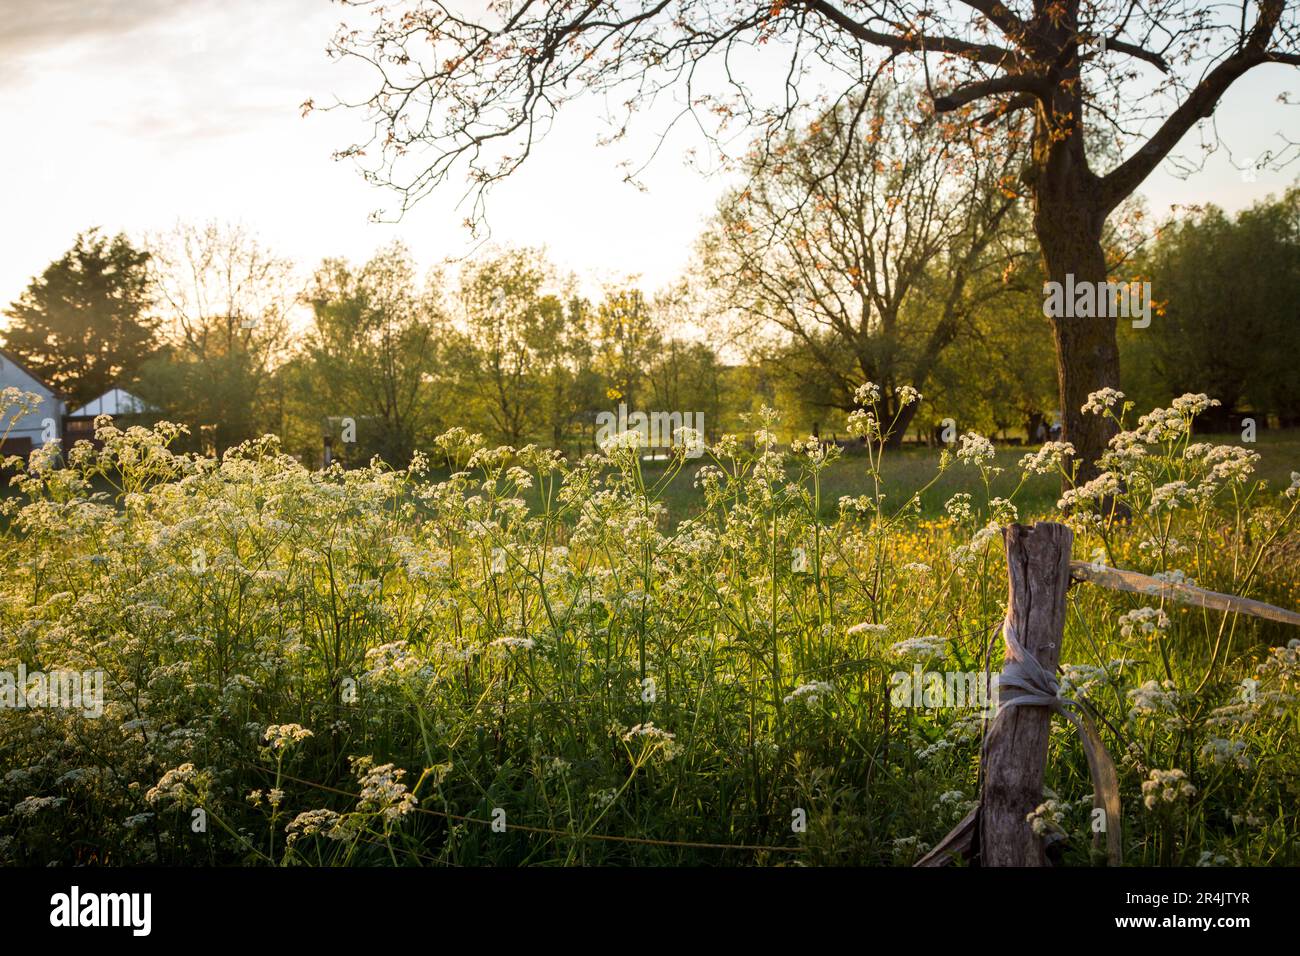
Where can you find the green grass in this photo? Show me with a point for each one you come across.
(907, 470)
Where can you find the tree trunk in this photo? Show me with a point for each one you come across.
(1068, 220)
(896, 435)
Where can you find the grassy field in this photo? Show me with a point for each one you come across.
(538, 663)
(906, 471)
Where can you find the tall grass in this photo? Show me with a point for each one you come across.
(525, 661)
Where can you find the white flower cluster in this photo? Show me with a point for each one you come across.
(1048, 459)
(1225, 462)
(1170, 424)
(1143, 621)
(959, 507)
(907, 395)
(1154, 697)
(909, 849)
(921, 649)
(30, 806)
(1078, 679)
(971, 551)
(382, 790)
(510, 644)
(690, 441)
(863, 424)
(1174, 576)
(1101, 400)
(868, 393)
(1166, 786)
(809, 694)
(630, 440)
(974, 449)
(663, 740)
(1224, 752)
(1047, 818)
(284, 736)
(178, 785)
(1106, 485)
(310, 822)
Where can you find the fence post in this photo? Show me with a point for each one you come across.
(1015, 751)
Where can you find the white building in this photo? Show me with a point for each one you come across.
(115, 402)
(37, 427)
(79, 425)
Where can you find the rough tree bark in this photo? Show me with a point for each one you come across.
(1069, 215)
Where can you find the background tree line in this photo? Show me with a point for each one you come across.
(858, 250)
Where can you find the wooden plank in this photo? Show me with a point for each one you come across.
(1137, 583)
(957, 843)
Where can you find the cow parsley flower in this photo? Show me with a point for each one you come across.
(868, 393)
(974, 449)
(1048, 459)
(1223, 752)
(907, 395)
(284, 736)
(1166, 786)
(810, 693)
(1101, 400)
(382, 790)
(1143, 621)
(921, 649)
(310, 822)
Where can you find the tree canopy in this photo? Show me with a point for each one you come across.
(84, 324)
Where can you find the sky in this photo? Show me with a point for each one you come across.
(132, 115)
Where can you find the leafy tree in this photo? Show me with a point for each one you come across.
(872, 252)
(569, 384)
(514, 358)
(628, 336)
(1000, 378)
(1229, 288)
(372, 354)
(226, 302)
(83, 325)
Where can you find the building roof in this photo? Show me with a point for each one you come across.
(116, 401)
(18, 363)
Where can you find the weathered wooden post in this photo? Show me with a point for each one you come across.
(1015, 751)
(1014, 756)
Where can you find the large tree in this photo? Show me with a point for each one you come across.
(372, 354)
(872, 248)
(1230, 288)
(522, 327)
(482, 89)
(225, 299)
(83, 324)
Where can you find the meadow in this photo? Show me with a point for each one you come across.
(515, 659)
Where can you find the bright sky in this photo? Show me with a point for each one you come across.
(132, 114)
